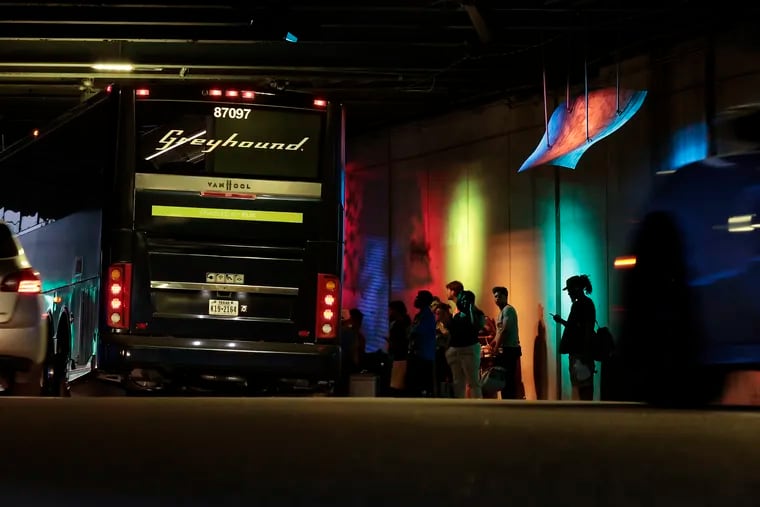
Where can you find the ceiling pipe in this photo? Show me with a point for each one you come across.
(122, 76)
(156, 69)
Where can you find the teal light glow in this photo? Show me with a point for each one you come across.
(51, 285)
(583, 251)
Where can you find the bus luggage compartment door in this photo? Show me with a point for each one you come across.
(208, 290)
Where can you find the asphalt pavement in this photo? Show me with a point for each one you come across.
(114, 451)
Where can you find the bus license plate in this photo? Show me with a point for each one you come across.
(223, 307)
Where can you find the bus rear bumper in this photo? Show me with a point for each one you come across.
(121, 353)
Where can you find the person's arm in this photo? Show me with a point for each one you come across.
(496, 342)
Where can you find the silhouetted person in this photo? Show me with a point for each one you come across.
(578, 335)
(398, 345)
(352, 343)
(422, 340)
(660, 355)
(463, 354)
(443, 337)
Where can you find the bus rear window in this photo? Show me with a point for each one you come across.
(203, 138)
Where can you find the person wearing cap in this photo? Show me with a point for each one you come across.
(422, 343)
(578, 335)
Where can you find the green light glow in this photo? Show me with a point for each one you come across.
(466, 235)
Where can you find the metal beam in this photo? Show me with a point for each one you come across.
(390, 58)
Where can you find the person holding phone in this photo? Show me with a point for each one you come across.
(578, 335)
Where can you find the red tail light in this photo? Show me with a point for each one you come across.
(26, 281)
(142, 92)
(117, 295)
(328, 313)
(320, 103)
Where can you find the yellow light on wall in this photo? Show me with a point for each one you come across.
(466, 236)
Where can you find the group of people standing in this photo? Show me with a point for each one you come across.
(442, 344)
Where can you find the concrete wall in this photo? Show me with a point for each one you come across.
(441, 199)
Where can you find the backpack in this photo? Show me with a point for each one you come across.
(603, 344)
(479, 318)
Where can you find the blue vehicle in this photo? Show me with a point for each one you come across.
(690, 296)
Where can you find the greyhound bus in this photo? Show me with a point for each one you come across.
(186, 236)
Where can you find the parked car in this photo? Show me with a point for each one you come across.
(23, 333)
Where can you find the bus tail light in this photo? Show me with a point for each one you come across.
(231, 93)
(25, 281)
(327, 321)
(118, 293)
(320, 103)
(248, 94)
(142, 92)
(215, 92)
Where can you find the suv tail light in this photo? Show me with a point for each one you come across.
(328, 307)
(26, 281)
(117, 294)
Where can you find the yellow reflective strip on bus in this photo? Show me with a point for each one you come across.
(227, 214)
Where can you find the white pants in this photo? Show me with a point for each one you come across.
(465, 370)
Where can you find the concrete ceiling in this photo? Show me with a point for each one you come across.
(389, 61)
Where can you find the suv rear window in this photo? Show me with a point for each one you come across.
(8, 246)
